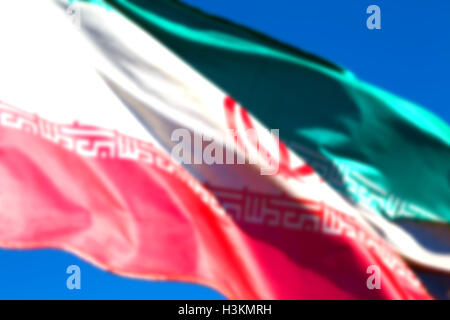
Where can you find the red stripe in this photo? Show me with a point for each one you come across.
(140, 214)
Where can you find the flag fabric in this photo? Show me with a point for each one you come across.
(93, 104)
(374, 148)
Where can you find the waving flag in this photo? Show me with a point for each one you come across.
(96, 97)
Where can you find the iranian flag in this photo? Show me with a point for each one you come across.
(160, 143)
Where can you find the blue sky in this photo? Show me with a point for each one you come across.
(409, 56)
